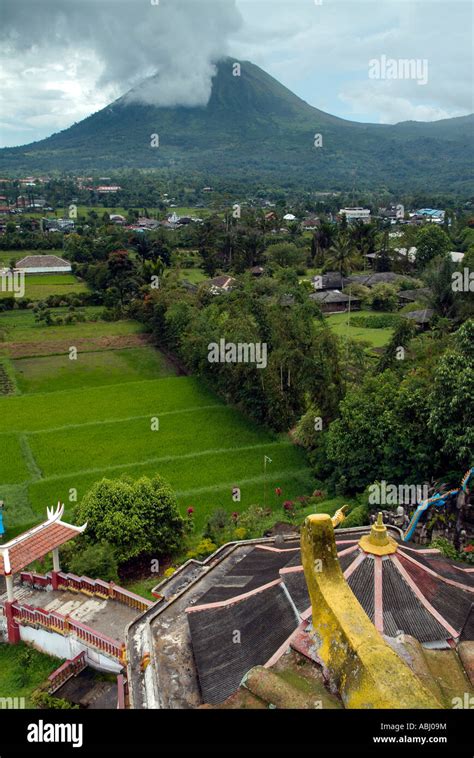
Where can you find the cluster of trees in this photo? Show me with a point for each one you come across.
(408, 420)
(28, 240)
(304, 357)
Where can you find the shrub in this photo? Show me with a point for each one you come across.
(135, 517)
(45, 701)
(376, 321)
(95, 561)
(383, 297)
(445, 547)
(219, 526)
(202, 549)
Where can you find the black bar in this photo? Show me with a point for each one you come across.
(220, 732)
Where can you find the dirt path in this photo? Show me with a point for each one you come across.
(88, 344)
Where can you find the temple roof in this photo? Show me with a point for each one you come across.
(35, 543)
(414, 591)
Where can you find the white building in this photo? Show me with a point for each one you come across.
(43, 264)
(356, 214)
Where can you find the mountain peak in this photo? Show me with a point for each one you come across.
(247, 125)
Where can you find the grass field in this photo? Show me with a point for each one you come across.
(375, 337)
(64, 441)
(20, 326)
(193, 275)
(56, 373)
(40, 286)
(22, 670)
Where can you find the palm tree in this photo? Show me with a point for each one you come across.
(322, 241)
(342, 255)
(438, 277)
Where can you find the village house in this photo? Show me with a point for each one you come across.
(105, 189)
(430, 214)
(310, 223)
(331, 280)
(370, 280)
(221, 284)
(421, 318)
(393, 213)
(413, 296)
(334, 301)
(43, 264)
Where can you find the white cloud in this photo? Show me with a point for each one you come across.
(61, 60)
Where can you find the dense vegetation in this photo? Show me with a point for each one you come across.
(336, 385)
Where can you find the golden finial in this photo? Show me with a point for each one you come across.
(378, 541)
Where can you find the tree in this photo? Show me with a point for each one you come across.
(135, 517)
(122, 279)
(285, 254)
(401, 337)
(207, 238)
(431, 242)
(438, 277)
(381, 433)
(451, 400)
(342, 256)
(322, 240)
(142, 245)
(382, 261)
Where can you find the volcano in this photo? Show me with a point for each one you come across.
(255, 128)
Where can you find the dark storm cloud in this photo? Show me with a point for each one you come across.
(179, 39)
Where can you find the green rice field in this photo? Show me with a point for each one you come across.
(57, 439)
(56, 373)
(41, 286)
(20, 327)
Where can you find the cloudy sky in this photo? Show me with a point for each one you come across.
(61, 60)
